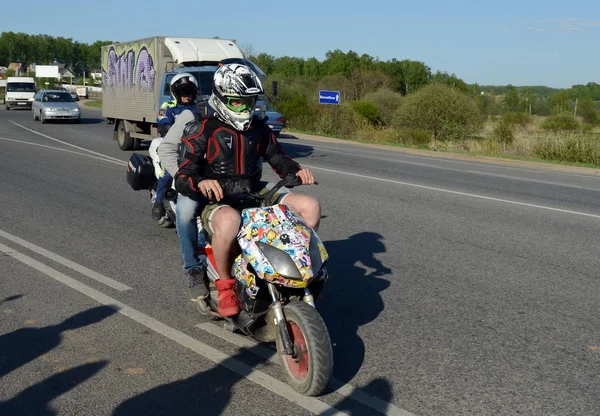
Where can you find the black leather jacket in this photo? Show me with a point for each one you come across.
(211, 149)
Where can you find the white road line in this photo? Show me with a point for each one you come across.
(474, 172)
(353, 147)
(65, 150)
(311, 404)
(65, 143)
(340, 387)
(431, 188)
(506, 201)
(66, 262)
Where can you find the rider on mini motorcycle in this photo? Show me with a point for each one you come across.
(225, 148)
(184, 90)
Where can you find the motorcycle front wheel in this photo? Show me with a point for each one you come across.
(310, 372)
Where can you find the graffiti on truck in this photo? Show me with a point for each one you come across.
(128, 70)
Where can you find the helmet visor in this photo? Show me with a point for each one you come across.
(187, 89)
(239, 104)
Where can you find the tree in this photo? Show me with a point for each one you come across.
(527, 99)
(559, 101)
(449, 80)
(265, 62)
(589, 111)
(511, 99)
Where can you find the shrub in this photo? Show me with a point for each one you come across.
(516, 118)
(561, 122)
(573, 148)
(297, 111)
(336, 120)
(504, 132)
(589, 111)
(443, 111)
(387, 102)
(368, 111)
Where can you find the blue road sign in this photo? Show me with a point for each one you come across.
(329, 97)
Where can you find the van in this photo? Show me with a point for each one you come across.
(19, 92)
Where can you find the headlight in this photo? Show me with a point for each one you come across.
(280, 260)
(76, 110)
(50, 110)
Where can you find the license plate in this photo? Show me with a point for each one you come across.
(22, 103)
(64, 114)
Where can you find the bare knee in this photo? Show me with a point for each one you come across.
(226, 222)
(307, 206)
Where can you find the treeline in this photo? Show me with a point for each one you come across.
(45, 50)
(591, 90)
(405, 76)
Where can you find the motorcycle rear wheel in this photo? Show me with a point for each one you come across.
(310, 372)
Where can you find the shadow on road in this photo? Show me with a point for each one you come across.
(10, 299)
(19, 347)
(89, 120)
(207, 393)
(379, 387)
(351, 297)
(297, 151)
(36, 399)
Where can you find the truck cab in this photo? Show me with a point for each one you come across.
(204, 76)
(19, 92)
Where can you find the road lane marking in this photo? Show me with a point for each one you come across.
(474, 172)
(340, 387)
(65, 143)
(66, 262)
(65, 150)
(431, 188)
(270, 383)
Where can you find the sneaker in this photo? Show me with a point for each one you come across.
(197, 283)
(227, 301)
(158, 211)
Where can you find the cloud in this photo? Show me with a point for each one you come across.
(571, 25)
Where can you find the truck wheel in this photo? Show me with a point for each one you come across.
(7, 107)
(123, 138)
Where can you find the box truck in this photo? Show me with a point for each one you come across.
(136, 77)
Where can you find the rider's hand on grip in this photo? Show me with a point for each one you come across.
(304, 178)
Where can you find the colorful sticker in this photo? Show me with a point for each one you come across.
(283, 228)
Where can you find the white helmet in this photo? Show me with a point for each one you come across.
(184, 84)
(235, 90)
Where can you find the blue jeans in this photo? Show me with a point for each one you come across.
(161, 187)
(187, 209)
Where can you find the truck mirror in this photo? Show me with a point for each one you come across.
(274, 88)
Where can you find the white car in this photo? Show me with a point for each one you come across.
(55, 105)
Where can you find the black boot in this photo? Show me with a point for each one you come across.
(158, 211)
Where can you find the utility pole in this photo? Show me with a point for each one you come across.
(575, 112)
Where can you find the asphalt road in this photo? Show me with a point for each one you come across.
(457, 287)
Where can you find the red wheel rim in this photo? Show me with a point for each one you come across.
(299, 366)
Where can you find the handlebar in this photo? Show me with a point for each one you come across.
(289, 181)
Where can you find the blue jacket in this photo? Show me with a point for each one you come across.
(169, 110)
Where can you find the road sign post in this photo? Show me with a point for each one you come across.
(329, 97)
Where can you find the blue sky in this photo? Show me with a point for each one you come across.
(553, 43)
